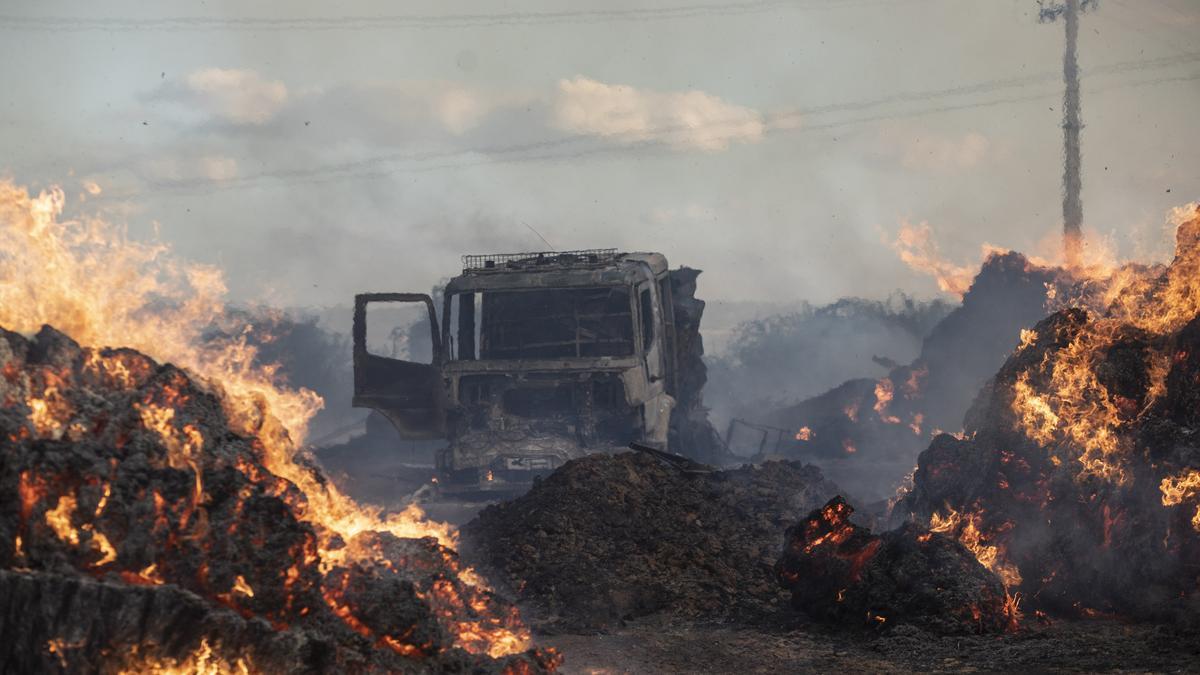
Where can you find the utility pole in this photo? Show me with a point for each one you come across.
(1072, 124)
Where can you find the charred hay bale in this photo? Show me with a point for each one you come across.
(837, 571)
(136, 525)
(1062, 487)
(607, 538)
(70, 624)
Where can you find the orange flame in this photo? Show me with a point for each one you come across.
(966, 528)
(917, 249)
(1176, 489)
(203, 661)
(884, 391)
(87, 278)
(1066, 403)
(1028, 337)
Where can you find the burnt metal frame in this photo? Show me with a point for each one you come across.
(359, 329)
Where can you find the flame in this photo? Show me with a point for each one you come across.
(59, 520)
(884, 391)
(90, 280)
(966, 528)
(241, 587)
(1176, 489)
(805, 434)
(912, 386)
(202, 661)
(1066, 404)
(148, 576)
(1012, 609)
(1028, 338)
(915, 425)
(851, 410)
(917, 249)
(1038, 418)
(58, 647)
(833, 524)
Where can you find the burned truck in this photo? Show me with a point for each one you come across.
(539, 358)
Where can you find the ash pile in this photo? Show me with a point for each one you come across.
(1078, 479)
(139, 532)
(607, 538)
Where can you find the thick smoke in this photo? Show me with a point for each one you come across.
(866, 433)
(786, 358)
(305, 354)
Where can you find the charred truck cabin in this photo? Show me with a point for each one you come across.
(538, 358)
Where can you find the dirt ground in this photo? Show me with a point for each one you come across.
(789, 644)
(1077, 646)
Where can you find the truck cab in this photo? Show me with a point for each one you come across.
(538, 358)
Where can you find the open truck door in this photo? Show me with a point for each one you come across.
(411, 395)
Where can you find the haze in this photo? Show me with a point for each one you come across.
(313, 152)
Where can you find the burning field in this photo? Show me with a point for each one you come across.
(158, 512)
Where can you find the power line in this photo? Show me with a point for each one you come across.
(666, 134)
(420, 21)
(560, 150)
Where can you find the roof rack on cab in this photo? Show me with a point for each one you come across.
(498, 262)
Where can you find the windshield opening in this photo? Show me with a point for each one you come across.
(543, 323)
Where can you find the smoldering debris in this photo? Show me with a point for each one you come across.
(838, 571)
(608, 538)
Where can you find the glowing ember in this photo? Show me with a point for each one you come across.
(839, 571)
(851, 411)
(884, 391)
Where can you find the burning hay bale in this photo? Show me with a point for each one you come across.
(890, 420)
(137, 528)
(838, 571)
(1079, 479)
(607, 538)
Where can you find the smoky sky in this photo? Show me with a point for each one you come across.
(313, 153)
